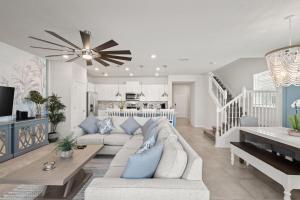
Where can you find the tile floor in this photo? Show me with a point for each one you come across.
(227, 182)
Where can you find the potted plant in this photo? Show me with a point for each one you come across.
(56, 115)
(38, 99)
(122, 105)
(66, 146)
(294, 120)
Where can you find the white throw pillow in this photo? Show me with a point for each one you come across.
(173, 161)
(164, 133)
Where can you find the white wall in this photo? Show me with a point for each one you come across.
(183, 91)
(198, 93)
(240, 73)
(23, 71)
(62, 77)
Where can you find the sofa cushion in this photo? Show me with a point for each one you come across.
(105, 126)
(173, 160)
(121, 158)
(134, 143)
(130, 125)
(90, 139)
(141, 120)
(89, 125)
(114, 172)
(164, 133)
(143, 165)
(117, 121)
(116, 139)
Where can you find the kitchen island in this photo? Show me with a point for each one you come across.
(167, 113)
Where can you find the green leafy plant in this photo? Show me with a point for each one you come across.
(122, 105)
(36, 97)
(56, 111)
(66, 144)
(294, 122)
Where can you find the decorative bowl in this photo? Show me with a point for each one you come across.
(294, 133)
(47, 166)
(66, 154)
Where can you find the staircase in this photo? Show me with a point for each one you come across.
(260, 104)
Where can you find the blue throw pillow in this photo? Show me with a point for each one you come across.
(147, 125)
(143, 165)
(149, 143)
(130, 125)
(89, 125)
(105, 126)
(150, 132)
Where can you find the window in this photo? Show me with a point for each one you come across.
(263, 82)
(263, 86)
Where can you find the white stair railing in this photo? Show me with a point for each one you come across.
(217, 93)
(260, 104)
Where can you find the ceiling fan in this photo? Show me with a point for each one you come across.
(87, 52)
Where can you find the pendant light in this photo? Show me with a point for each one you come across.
(284, 63)
(164, 94)
(141, 93)
(118, 95)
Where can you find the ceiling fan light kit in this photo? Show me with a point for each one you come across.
(87, 53)
(284, 63)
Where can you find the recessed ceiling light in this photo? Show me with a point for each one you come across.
(105, 74)
(157, 68)
(65, 56)
(165, 66)
(96, 68)
(184, 59)
(127, 69)
(141, 66)
(156, 74)
(153, 56)
(131, 74)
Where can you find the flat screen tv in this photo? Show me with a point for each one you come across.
(6, 100)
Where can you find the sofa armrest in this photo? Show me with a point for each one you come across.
(146, 189)
(77, 132)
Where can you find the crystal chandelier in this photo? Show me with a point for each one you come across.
(284, 63)
(142, 95)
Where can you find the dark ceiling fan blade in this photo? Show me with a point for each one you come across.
(89, 62)
(73, 59)
(116, 57)
(101, 62)
(86, 39)
(106, 45)
(63, 39)
(49, 56)
(116, 52)
(46, 48)
(51, 43)
(113, 61)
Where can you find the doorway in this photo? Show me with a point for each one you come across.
(181, 98)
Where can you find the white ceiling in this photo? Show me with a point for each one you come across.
(204, 31)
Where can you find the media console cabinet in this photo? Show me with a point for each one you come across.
(272, 151)
(19, 137)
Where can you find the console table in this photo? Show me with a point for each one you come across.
(272, 151)
(19, 137)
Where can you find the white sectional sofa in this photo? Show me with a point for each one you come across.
(111, 187)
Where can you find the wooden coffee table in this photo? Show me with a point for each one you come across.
(64, 181)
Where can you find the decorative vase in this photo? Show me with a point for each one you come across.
(52, 137)
(294, 133)
(66, 154)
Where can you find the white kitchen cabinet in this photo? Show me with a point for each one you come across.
(107, 92)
